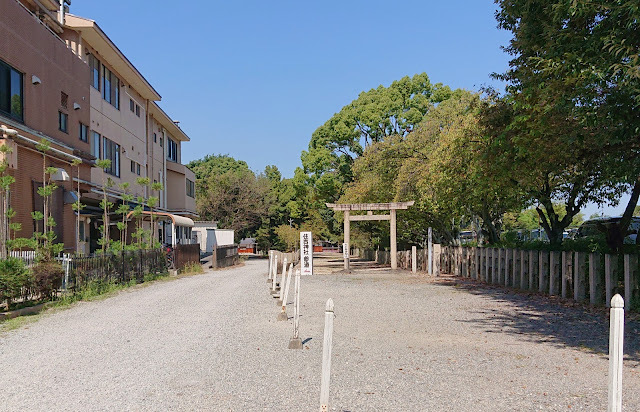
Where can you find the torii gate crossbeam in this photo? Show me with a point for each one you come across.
(370, 207)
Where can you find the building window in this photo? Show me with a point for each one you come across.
(81, 234)
(137, 110)
(161, 142)
(191, 188)
(131, 105)
(172, 150)
(111, 151)
(155, 138)
(94, 66)
(84, 132)
(110, 87)
(135, 168)
(64, 100)
(63, 120)
(11, 96)
(96, 145)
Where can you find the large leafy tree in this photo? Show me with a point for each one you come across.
(372, 117)
(446, 166)
(230, 193)
(574, 86)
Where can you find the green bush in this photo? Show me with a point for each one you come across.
(47, 278)
(15, 278)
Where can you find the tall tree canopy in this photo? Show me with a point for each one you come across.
(574, 85)
(372, 117)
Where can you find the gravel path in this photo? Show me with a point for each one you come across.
(402, 342)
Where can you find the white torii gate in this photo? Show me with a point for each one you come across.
(370, 207)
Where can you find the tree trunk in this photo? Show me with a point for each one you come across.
(616, 233)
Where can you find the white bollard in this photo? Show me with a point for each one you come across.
(326, 356)
(430, 252)
(616, 336)
(270, 265)
(283, 314)
(295, 342)
(414, 259)
(275, 275)
(276, 289)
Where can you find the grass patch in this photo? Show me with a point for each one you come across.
(192, 268)
(92, 291)
(17, 323)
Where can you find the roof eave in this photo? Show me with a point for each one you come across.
(98, 39)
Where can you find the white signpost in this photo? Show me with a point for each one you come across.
(345, 255)
(306, 253)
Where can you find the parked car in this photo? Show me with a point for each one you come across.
(591, 228)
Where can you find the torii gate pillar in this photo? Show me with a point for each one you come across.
(369, 207)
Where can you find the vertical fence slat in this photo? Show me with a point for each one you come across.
(610, 276)
(630, 279)
(533, 268)
(579, 276)
(554, 272)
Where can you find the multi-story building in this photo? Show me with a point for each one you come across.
(104, 109)
(43, 96)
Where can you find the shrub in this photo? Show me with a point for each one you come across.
(47, 278)
(15, 278)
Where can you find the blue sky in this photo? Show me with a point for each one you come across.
(254, 79)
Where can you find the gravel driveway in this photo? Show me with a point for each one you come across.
(402, 342)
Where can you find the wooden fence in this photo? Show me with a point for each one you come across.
(292, 257)
(383, 257)
(186, 254)
(225, 256)
(113, 267)
(580, 276)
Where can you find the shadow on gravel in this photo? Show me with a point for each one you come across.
(546, 319)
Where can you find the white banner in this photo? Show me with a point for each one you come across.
(306, 253)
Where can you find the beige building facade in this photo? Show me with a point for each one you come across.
(73, 86)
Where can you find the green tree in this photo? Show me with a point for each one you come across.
(373, 117)
(230, 193)
(77, 205)
(573, 83)
(6, 180)
(105, 204)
